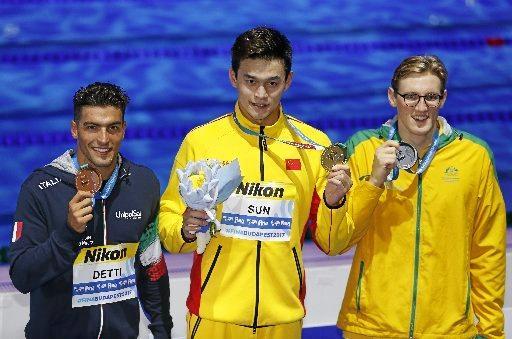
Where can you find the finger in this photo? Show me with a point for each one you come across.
(80, 195)
(386, 150)
(196, 214)
(338, 174)
(83, 204)
(83, 211)
(340, 167)
(391, 143)
(192, 229)
(335, 181)
(196, 221)
(85, 219)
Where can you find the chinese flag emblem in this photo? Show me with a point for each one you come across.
(292, 164)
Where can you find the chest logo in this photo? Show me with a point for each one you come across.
(451, 174)
(131, 215)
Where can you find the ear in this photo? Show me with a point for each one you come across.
(74, 129)
(288, 81)
(443, 100)
(124, 129)
(391, 97)
(232, 78)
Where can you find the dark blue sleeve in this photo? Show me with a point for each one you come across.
(153, 278)
(39, 256)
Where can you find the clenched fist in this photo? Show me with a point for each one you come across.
(193, 220)
(80, 211)
(383, 162)
(338, 184)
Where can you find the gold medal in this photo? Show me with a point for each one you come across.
(333, 155)
(88, 179)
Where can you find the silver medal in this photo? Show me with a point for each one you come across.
(406, 156)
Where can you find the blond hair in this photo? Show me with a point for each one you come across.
(420, 64)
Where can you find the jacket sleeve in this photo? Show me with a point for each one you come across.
(153, 278)
(172, 206)
(39, 256)
(488, 250)
(343, 227)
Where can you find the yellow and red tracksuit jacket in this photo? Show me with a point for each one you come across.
(241, 279)
(434, 254)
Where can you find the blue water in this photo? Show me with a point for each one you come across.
(172, 59)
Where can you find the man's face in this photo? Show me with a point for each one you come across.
(260, 84)
(419, 121)
(99, 133)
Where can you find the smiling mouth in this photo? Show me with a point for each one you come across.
(259, 105)
(420, 117)
(102, 150)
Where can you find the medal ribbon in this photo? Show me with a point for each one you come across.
(423, 164)
(311, 145)
(109, 186)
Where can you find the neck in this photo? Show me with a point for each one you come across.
(105, 172)
(269, 120)
(420, 142)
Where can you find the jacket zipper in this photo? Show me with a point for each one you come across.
(211, 268)
(468, 294)
(104, 243)
(416, 259)
(196, 327)
(263, 147)
(104, 210)
(359, 283)
(299, 269)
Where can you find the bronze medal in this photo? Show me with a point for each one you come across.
(333, 155)
(406, 156)
(88, 179)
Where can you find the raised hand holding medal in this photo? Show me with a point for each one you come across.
(88, 182)
(407, 156)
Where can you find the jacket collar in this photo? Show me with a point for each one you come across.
(64, 163)
(272, 130)
(446, 133)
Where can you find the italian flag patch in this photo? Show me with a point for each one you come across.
(16, 231)
(151, 255)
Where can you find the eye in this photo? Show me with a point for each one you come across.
(91, 127)
(273, 83)
(114, 128)
(432, 97)
(411, 96)
(250, 81)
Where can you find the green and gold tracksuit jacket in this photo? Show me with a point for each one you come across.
(251, 274)
(433, 259)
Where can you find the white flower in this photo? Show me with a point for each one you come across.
(200, 184)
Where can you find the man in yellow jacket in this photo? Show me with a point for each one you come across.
(432, 264)
(249, 282)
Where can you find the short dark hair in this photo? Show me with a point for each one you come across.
(100, 94)
(419, 64)
(261, 43)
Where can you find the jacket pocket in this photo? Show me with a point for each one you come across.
(208, 275)
(359, 286)
(299, 269)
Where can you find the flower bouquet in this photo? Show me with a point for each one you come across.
(205, 184)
